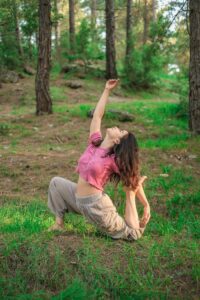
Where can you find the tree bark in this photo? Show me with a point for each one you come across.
(145, 21)
(194, 67)
(71, 26)
(17, 32)
(154, 6)
(93, 19)
(30, 47)
(56, 26)
(129, 41)
(111, 71)
(43, 100)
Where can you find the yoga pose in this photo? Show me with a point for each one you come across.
(113, 158)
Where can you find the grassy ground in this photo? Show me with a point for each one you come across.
(82, 263)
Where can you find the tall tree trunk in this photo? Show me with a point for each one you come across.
(93, 19)
(71, 27)
(56, 26)
(129, 41)
(43, 100)
(17, 32)
(194, 68)
(145, 22)
(154, 6)
(30, 47)
(111, 71)
(37, 38)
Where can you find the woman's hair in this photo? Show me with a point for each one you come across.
(127, 161)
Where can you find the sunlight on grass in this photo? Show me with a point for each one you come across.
(166, 142)
(25, 216)
(159, 113)
(80, 111)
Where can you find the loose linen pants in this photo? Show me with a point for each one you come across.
(98, 209)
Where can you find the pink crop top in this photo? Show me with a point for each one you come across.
(93, 167)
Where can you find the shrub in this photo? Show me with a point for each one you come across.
(144, 65)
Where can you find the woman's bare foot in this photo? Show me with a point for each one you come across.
(140, 182)
(56, 227)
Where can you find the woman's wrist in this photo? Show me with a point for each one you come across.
(107, 89)
(146, 204)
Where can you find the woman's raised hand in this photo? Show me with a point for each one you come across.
(111, 83)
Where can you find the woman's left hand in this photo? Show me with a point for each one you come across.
(111, 83)
(146, 216)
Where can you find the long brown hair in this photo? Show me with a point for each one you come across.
(127, 161)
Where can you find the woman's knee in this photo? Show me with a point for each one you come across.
(54, 181)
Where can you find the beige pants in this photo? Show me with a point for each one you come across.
(98, 209)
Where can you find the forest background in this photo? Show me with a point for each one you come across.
(55, 57)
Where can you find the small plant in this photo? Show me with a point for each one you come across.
(4, 129)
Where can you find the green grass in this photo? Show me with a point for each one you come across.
(170, 132)
(58, 93)
(4, 129)
(85, 263)
(165, 142)
(27, 99)
(55, 70)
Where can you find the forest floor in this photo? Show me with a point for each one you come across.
(81, 262)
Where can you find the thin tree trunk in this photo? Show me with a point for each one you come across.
(43, 100)
(129, 41)
(17, 32)
(93, 20)
(111, 71)
(37, 38)
(194, 68)
(56, 26)
(30, 47)
(145, 22)
(154, 6)
(57, 44)
(71, 26)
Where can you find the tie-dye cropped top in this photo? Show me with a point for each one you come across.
(94, 165)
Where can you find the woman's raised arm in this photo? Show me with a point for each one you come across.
(100, 107)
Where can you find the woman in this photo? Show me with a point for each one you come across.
(113, 158)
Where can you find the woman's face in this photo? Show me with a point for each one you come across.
(116, 134)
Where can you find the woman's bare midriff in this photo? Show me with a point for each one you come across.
(85, 189)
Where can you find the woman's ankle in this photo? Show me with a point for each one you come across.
(59, 221)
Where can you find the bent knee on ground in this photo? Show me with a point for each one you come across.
(54, 180)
